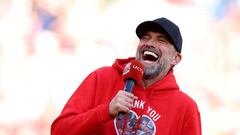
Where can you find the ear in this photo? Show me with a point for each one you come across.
(176, 58)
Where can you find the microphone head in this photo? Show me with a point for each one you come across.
(134, 71)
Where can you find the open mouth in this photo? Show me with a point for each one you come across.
(149, 56)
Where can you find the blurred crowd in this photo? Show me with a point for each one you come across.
(47, 47)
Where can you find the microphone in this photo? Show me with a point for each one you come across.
(133, 73)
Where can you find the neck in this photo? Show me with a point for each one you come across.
(148, 82)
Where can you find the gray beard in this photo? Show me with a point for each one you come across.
(154, 71)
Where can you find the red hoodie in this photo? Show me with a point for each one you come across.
(161, 109)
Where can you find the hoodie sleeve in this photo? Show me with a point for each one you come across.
(192, 121)
(78, 115)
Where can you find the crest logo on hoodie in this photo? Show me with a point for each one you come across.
(132, 124)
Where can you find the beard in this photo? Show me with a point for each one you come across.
(152, 71)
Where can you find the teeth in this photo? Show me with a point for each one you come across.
(150, 53)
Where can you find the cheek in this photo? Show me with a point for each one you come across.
(166, 56)
(137, 54)
(140, 44)
(166, 51)
(139, 47)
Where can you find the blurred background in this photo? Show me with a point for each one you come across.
(47, 47)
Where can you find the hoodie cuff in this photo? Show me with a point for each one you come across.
(103, 114)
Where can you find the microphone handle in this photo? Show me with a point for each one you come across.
(128, 88)
(129, 85)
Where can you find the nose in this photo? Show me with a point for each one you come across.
(152, 41)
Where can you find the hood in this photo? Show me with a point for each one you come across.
(120, 64)
(166, 84)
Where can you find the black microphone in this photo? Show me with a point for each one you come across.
(133, 73)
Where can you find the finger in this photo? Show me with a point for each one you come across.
(125, 107)
(121, 107)
(127, 102)
(130, 95)
(123, 101)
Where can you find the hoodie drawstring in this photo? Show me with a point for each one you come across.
(149, 97)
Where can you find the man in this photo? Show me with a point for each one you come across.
(93, 108)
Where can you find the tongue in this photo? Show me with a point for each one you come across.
(150, 58)
(148, 61)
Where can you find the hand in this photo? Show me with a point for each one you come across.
(122, 102)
